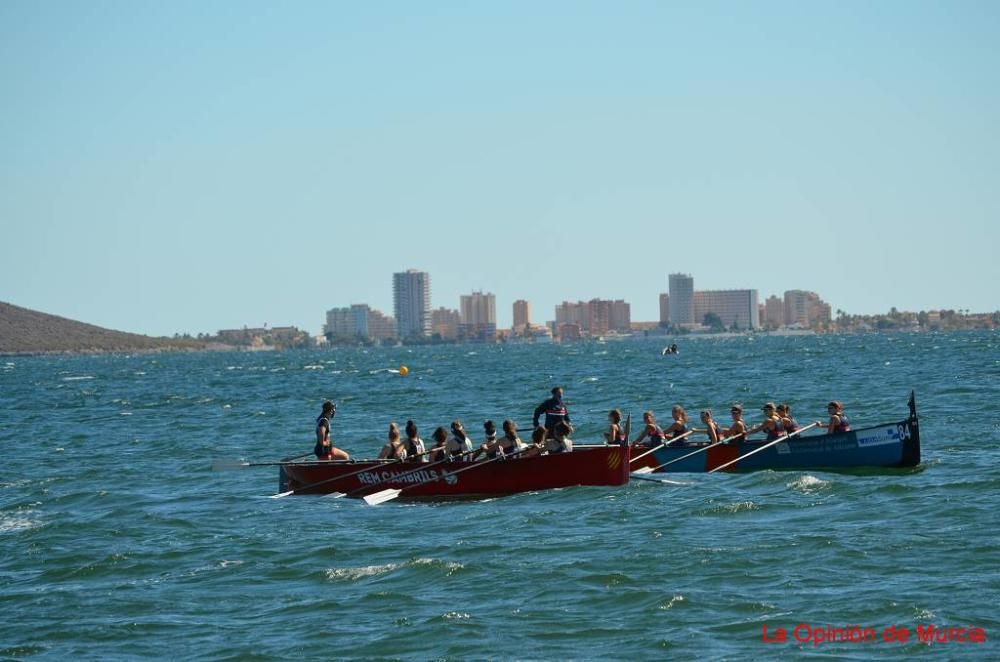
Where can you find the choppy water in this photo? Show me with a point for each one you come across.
(118, 540)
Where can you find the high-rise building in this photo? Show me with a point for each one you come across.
(445, 322)
(805, 309)
(774, 312)
(682, 299)
(522, 316)
(595, 317)
(664, 309)
(479, 316)
(359, 322)
(736, 308)
(411, 296)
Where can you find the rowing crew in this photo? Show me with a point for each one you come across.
(459, 445)
(777, 423)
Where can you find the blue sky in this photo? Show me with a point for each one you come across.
(190, 166)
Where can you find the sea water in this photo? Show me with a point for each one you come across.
(117, 539)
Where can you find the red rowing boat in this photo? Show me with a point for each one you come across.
(586, 465)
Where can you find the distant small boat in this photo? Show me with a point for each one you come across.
(670, 349)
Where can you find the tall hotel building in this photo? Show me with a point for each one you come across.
(479, 316)
(734, 307)
(411, 296)
(522, 316)
(681, 300)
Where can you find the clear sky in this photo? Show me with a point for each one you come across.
(177, 166)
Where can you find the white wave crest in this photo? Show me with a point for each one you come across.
(808, 483)
(677, 599)
(352, 574)
(15, 523)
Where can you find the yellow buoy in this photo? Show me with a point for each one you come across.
(403, 371)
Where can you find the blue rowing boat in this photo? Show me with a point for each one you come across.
(888, 445)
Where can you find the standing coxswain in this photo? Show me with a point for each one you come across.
(324, 449)
(554, 409)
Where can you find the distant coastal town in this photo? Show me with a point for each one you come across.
(683, 310)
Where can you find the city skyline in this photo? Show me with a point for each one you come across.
(272, 166)
(476, 314)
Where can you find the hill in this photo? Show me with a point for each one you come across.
(24, 331)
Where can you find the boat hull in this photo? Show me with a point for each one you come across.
(586, 465)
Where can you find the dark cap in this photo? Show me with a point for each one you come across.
(835, 403)
(489, 426)
(556, 388)
(328, 405)
(768, 405)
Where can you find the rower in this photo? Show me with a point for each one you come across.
(772, 424)
(490, 443)
(838, 419)
(394, 448)
(324, 449)
(440, 437)
(509, 443)
(785, 413)
(651, 431)
(561, 443)
(737, 432)
(554, 409)
(414, 444)
(679, 426)
(615, 434)
(711, 427)
(459, 444)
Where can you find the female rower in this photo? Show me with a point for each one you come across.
(737, 432)
(651, 431)
(537, 445)
(459, 444)
(490, 443)
(414, 444)
(785, 412)
(838, 419)
(772, 424)
(615, 434)
(679, 425)
(394, 449)
(561, 443)
(440, 449)
(509, 443)
(711, 428)
(324, 449)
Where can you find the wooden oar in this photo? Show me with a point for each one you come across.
(767, 445)
(388, 495)
(230, 465)
(337, 495)
(648, 470)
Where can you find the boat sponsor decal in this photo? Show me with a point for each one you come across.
(403, 477)
(818, 444)
(890, 434)
(614, 460)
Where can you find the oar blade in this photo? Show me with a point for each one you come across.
(229, 465)
(282, 494)
(643, 470)
(381, 497)
(336, 495)
(663, 481)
